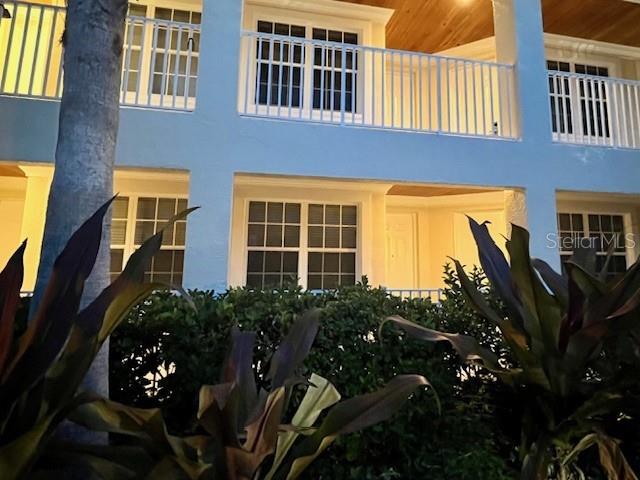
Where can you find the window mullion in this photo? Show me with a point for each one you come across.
(303, 260)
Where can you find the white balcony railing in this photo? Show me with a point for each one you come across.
(594, 110)
(160, 58)
(435, 295)
(316, 81)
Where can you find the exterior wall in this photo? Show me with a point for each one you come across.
(214, 143)
(23, 205)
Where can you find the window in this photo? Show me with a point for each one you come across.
(274, 243)
(328, 78)
(560, 97)
(173, 46)
(585, 97)
(135, 219)
(161, 57)
(599, 231)
(285, 238)
(283, 65)
(332, 246)
(593, 101)
(282, 83)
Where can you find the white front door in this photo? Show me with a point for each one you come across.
(401, 251)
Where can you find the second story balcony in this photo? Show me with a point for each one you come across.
(160, 57)
(326, 76)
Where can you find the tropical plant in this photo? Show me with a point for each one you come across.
(165, 350)
(41, 369)
(243, 432)
(562, 332)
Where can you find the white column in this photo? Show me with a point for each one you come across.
(520, 41)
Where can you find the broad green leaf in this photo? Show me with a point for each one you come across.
(17, 457)
(612, 460)
(294, 348)
(319, 396)
(353, 415)
(467, 347)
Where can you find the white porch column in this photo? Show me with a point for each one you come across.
(543, 225)
(515, 209)
(35, 209)
(520, 40)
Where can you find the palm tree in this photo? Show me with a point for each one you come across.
(85, 152)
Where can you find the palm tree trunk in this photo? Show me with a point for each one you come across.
(85, 152)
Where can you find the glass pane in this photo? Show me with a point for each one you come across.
(290, 263)
(274, 235)
(332, 237)
(315, 237)
(349, 215)
(275, 212)
(316, 214)
(255, 262)
(273, 262)
(314, 282)
(166, 208)
(146, 208)
(144, 230)
(292, 213)
(256, 235)
(330, 281)
(348, 280)
(163, 13)
(564, 220)
(257, 211)
(181, 234)
(254, 281)
(331, 263)
(118, 232)
(178, 261)
(117, 257)
(121, 207)
(315, 262)
(348, 263)
(332, 214)
(291, 236)
(163, 261)
(348, 237)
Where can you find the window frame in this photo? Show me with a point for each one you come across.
(145, 83)
(303, 249)
(627, 226)
(576, 101)
(130, 246)
(363, 29)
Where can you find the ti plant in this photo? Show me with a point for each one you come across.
(244, 432)
(42, 369)
(562, 332)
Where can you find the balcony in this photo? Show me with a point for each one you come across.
(308, 80)
(594, 110)
(160, 57)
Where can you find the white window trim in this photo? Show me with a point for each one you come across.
(129, 247)
(626, 224)
(303, 250)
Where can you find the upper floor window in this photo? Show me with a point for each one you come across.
(295, 72)
(315, 244)
(593, 230)
(579, 103)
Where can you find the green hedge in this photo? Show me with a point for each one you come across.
(465, 442)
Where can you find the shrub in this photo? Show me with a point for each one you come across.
(184, 347)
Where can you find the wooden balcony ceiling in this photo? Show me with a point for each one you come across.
(436, 25)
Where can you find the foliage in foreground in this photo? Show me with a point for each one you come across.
(243, 435)
(574, 353)
(165, 350)
(42, 368)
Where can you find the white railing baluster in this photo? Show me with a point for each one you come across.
(32, 57)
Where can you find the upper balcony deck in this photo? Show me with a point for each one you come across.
(355, 65)
(160, 57)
